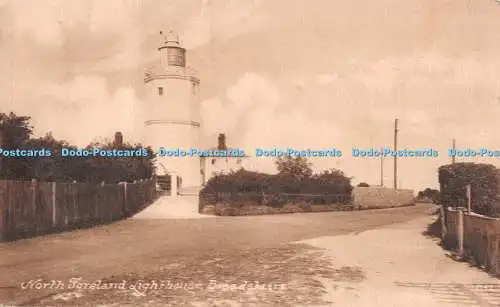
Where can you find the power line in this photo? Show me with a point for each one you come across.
(453, 153)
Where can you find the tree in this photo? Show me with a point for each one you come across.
(296, 167)
(118, 169)
(363, 184)
(16, 130)
(55, 167)
(432, 194)
(333, 180)
(15, 133)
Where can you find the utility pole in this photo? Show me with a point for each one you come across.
(395, 156)
(382, 167)
(453, 153)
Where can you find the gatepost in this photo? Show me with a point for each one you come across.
(460, 230)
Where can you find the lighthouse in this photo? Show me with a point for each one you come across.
(173, 113)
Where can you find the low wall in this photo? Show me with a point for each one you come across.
(380, 197)
(235, 204)
(224, 209)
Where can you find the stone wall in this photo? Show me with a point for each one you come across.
(380, 197)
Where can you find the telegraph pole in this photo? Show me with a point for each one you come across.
(453, 155)
(395, 151)
(382, 168)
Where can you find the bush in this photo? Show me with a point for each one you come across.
(484, 181)
(243, 181)
(429, 196)
(266, 192)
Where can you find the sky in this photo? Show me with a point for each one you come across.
(282, 73)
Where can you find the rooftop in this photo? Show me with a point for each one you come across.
(229, 148)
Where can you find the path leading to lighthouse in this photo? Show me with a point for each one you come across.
(366, 258)
(173, 207)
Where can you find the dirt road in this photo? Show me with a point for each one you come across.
(247, 261)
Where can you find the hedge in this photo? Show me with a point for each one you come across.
(244, 181)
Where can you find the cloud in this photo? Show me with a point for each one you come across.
(253, 90)
(260, 118)
(216, 119)
(439, 81)
(326, 78)
(80, 45)
(220, 20)
(83, 109)
(434, 97)
(122, 34)
(47, 22)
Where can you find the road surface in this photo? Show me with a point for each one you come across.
(229, 261)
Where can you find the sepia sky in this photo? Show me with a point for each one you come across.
(281, 73)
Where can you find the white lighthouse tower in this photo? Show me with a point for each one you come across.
(173, 113)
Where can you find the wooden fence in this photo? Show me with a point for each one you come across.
(473, 236)
(35, 208)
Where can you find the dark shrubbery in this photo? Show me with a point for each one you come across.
(429, 195)
(243, 181)
(484, 181)
(293, 189)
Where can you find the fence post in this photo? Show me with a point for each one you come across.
(125, 204)
(460, 231)
(54, 208)
(443, 224)
(98, 204)
(33, 200)
(75, 210)
(33, 205)
(3, 212)
(495, 258)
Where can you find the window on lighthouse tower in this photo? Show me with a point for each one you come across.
(160, 91)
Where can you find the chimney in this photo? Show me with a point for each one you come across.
(222, 142)
(118, 139)
(2, 134)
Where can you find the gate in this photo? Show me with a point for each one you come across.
(164, 183)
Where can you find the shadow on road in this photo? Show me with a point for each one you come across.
(434, 229)
(286, 275)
